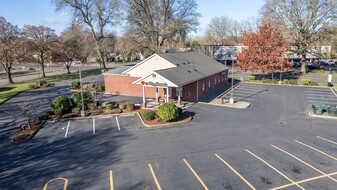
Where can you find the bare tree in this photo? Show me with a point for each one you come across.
(70, 46)
(9, 46)
(41, 39)
(97, 15)
(153, 22)
(303, 20)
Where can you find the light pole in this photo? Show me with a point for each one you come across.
(330, 78)
(82, 111)
(231, 100)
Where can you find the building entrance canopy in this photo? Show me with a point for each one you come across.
(155, 80)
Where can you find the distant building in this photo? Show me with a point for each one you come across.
(225, 54)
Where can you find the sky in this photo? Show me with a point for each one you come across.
(42, 12)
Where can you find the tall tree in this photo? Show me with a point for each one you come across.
(265, 51)
(153, 22)
(302, 20)
(223, 30)
(42, 39)
(97, 15)
(9, 46)
(70, 46)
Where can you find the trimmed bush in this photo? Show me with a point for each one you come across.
(229, 80)
(180, 111)
(130, 106)
(76, 110)
(104, 70)
(149, 115)
(285, 81)
(122, 105)
(99, 107)
(91, 106)
(312, 83)
(32, 86)
(266, 81)
(167, 112)
(100, 88)
(251, 77)
(61, 105)
(87, 98)
(109, 106)
(305, 82)
(293, 82)
(85, 87)
(42, 82)
(76, 84)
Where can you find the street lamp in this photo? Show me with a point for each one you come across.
(330, 78)
(231, 100)
(82, 111)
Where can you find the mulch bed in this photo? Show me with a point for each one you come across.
(158, 121)
(23, 135)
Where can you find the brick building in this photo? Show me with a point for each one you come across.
(187, 76)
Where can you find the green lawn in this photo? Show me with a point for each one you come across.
(10, 90)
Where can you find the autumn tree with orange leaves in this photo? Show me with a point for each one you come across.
(264, 51)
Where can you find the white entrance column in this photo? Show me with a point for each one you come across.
(157, 95)
(167, 94)
(179, 95)
(144, 98)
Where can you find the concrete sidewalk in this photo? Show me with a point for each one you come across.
(225, 103)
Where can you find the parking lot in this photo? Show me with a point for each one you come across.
(220, 148)
(321, 95)
(246, 92)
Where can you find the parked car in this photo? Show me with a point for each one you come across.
(297, 64)
(330, 62)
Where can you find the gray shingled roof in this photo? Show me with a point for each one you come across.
(191, 66)
(118, 70)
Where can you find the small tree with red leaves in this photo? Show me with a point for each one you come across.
(265, 51)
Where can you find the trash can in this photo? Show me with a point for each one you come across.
(318, 108)
(332, 111)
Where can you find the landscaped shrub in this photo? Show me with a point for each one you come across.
(180, 111)
(87, 98)
(149, 115)
(85, 87)
(42, 82)
(251, 77)
(76, 110)
(293, 82)
(75, 84)
(229, 80)
(305, 82)
(91, 106)
(130, 106)
(109, 106)
(167, 112)
(285, 81)
(44, 116)
(266, 81)
(122, 105)
(32, 86)
(99, 107)
(61, 105)
(312, 83)
(100, 88)
(104, 70)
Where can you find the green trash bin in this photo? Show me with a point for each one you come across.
(318, 108)
(332, 111)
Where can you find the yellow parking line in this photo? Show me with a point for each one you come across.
(330, 141)
(59, 178)
(276, 170)
(154, 177)
(304, 181)
(195, 174)
(111, 181)
(237, 173)
(326, 154)
(312, 167)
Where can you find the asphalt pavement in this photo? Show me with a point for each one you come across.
(272, 144)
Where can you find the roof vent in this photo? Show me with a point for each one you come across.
(189, 71)
(177, 64)
(184, 63)
(188, 62)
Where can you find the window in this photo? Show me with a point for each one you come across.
(219, 80)
(209, 84)
(203, 87)
(214, 81)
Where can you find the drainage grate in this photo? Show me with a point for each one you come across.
(281, 123)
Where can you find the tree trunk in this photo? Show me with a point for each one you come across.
(68, 69)
(303, 67)
(9, 76)
(42, 69)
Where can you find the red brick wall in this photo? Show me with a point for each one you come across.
(123, 85)
(190, 90)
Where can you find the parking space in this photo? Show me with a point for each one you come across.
(114, 125)
(246, 92)
(304, 163)
(320, 95)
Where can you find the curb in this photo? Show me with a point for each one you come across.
(297, 85)
(321, 116)
(31, 135)
(224, 105)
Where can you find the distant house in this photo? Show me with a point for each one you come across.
(187, 76)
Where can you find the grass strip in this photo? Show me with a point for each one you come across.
(9, 90)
